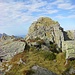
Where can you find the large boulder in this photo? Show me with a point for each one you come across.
(10, 46)
(71, 34)
(69, 48)
(46, 29)
(12, 49)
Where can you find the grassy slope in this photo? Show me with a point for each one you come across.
(34, 57)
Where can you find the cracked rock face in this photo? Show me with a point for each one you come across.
(46, 29)
(10, 46)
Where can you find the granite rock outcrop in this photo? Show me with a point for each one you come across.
(47, 29)
(10, 46)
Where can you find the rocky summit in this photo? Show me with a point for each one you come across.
(46, 29)
(39, 53)
(49, 30)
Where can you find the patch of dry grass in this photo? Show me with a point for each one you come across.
(36, 58)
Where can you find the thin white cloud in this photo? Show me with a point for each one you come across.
(63, 4)
(65, 17)
(57, 2)
(12, 12)
(60, 17)
(66, 6)
(52, 11)
(36, 6)
(71, 16)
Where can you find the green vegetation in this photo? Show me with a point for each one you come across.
(46, 21)
(29, 72)
(31, 59)
(52, 61)
(37, 38)
(49, 55)
(53, 48)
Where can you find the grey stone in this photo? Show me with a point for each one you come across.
(72, 71)
(41, 71)
(43, 47)
(71, 34)
(69, 48)
(47, 29)
(10, 47)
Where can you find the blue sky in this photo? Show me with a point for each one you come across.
(17, 15)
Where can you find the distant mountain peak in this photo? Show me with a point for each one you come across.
(0, 35)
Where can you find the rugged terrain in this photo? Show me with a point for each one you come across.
(46, 29)
(10, 45)
(40, 53)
